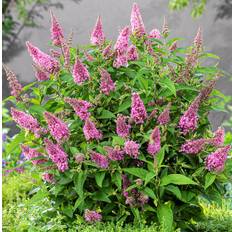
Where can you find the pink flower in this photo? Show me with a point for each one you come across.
(198, 39)
(90, 130)
(15, 87)
(107, 52)
(194, 146)
(58, 129)
(115, 153)
(137, 24)
(97, 36)
(99, 159)
(138, 111)
(81, 107)
(215, 162)
(66, 52)
(56, 31)
(107, 85)
(55, 54)
(154, 144)
(120, 60)
(48, 177)
(43, 60)
(92, 216)
(79, 158)
(88, 57)
(164, 117)
(122, 42)
(31, 153)
(122, 128)
(131, 148)
(132, 53)
(57, 155)
(154, 34)
(188, 122)
(40, 74)
(218, 138)
(26, 121)
(80, 72)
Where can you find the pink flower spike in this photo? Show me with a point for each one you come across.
(215, 162)
(120, 60)
(131, 148)
(198, 40)
(132, 53)
(164, 117)
(15, 87)
(107, 52)
(219, 136)
(194, 146)
(58, 129)
(90, 130)
(154, 144)
(107, 85)
(40, 74)
(122, 42)
(138, 111)
(88, 57)
(48, 177)
(136, 20)
(122, 128)
(115, 153)
(154, 34)
(43, 60)
(31, 153)
(26, 121)
(81, 107)
(57, 155)
(97, 36)
(92, 216)
(99, 159)
(80, 72)
(56, 31)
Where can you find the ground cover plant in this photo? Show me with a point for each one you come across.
(120, 130)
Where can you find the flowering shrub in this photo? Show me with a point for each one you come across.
(121, 132)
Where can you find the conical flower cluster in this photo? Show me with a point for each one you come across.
(131, 148)
(122, 128)
(80, 72)
(154, 144)
(115, 153)
(154, 34)
(132, 53)
(194, 146)
(107, 85)
(97, 36)
(164, 117)
(99, 159)
(218, 138)
(56, 31)
(90, 131)
(92, 216)
(40, 74)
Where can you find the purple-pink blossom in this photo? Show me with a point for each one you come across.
(120, 60)
(215, 162)
(138, 110)
(79, 158)
(31, 153)
(132, 53)
(107, 52)
(154, 34)
(57, 155)
(194, 146)
(122, 128)
(48, 177)
(136, 20)
(42, 59)
(26, 121)
(115, 153)
(107, 85)
(131, 148)
(15, 87)
(90, 130)
(92, 216)
(97, 35)
(154, 144)
(40, 74)
(198, 40)
(80, 72)
(164, 117)
(58, 129)
(56, 31)
(188, 121)
(219, 136)
(80, 107)
(99, 159)
(122, 42)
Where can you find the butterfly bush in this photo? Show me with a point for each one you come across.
(120, 130)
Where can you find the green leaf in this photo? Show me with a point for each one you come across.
(175, 190)
(160, 156)
(105, 114)
(79, 180)
(168, 84)
(15, 142)
(150, 193)
(124, 105)
(139, 172)
(68, 210)
(101, 196)
(209, 55)
(209, 179)
(117, 179)
(118, 141)
(149, 177)
(165, 216)
(177, 179)
(99, 177)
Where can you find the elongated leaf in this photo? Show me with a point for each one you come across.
(209, 179)
(165, 216)
(150, 193)
(177, 179)
(117, 179)
(101, 196)
(168, 84)
(125, 105)
(105, 114)
(175, 190)
(149, 177)
(139, 172)
(15, 142)
(79, 181)
(99, 177)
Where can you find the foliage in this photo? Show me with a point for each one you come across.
(198, 6)
(169, 181)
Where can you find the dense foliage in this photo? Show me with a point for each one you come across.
(125, 135)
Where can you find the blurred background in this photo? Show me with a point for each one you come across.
(29, 20)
